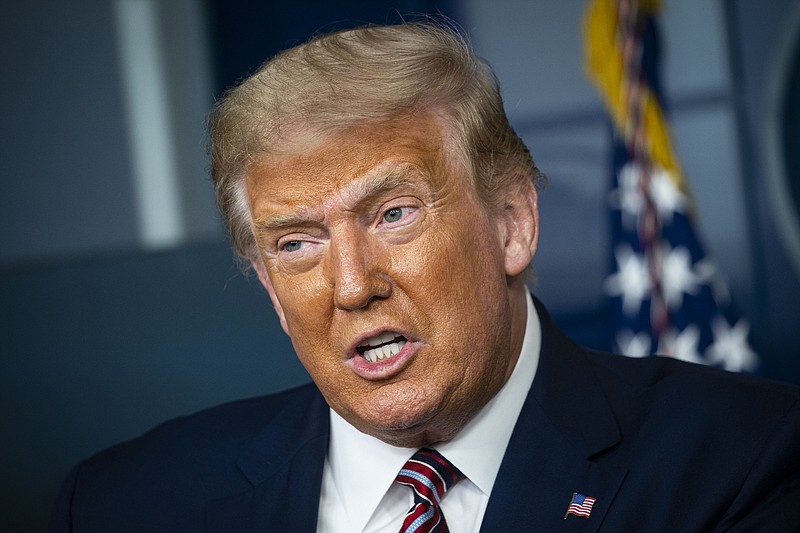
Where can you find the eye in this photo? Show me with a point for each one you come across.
(292, 246)
(402, 214)
(394, 214)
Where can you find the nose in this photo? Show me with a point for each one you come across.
(355, 271)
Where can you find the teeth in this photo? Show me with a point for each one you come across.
(379, 353)
(382, 338)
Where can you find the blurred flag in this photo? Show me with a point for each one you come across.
(666, 294)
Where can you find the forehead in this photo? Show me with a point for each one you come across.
(317, 167)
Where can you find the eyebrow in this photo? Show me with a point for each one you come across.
(362, 189)
(372, 185)
(284, 220)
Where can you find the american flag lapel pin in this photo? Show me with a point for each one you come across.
(580, 506)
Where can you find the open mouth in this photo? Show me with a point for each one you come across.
(380, 347)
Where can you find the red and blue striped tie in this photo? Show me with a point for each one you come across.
(430, 475)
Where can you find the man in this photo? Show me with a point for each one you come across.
(371, 179)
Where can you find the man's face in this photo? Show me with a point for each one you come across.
(401, 295)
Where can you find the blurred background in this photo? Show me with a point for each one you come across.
(120, 304)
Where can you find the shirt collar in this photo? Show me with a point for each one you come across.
(363, 468)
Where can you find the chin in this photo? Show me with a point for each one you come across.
(396, 419)
(403, 427)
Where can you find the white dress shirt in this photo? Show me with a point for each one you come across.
(358, 489)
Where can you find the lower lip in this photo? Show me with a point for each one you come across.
(385, 368)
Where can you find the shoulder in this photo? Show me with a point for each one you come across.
(641, 391)
(172, 471)
(664, 383)
(675, 406)
(662, 407)
(730, 440)
(219, 430)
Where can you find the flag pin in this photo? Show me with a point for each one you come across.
(580, 505)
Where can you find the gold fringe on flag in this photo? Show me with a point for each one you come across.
(606, 66)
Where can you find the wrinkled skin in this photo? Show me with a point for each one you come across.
(377, 229)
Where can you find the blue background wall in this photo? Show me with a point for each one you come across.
(104, 333)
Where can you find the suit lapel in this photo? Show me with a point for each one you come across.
(549, 456)
(283, 468)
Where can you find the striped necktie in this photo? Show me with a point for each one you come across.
(430, 475)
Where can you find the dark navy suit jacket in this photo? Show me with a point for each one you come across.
(662, 446)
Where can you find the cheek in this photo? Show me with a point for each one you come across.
(303, 299)
(295, 291)
(309, 347)
(453, 264)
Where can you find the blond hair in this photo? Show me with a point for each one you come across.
(367, 74)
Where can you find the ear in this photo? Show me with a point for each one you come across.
(263, 277)
(521, 229)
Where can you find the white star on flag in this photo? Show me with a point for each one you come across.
(633, 345)
(730, 346)
(628, 196)
(681, 345)
(677, 276)
(631, 281)
(665, 194)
